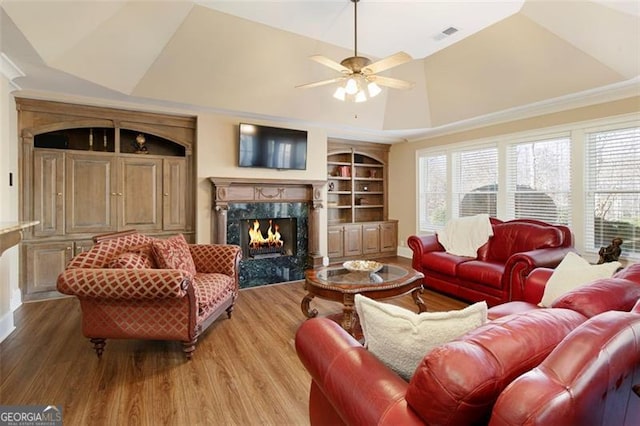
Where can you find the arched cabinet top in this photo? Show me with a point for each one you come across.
(38, 117)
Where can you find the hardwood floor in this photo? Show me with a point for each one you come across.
(244, 372)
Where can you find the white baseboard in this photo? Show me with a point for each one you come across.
(16, 299)
(6, 325)
(405, 252)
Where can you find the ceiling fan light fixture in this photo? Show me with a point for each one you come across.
(359, 78)
(373, 89)
(352, 86)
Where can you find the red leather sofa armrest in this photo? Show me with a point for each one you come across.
(520, 265)
(421, 244)
(534, 285)
(358, 387)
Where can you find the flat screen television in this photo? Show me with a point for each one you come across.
(272, 147)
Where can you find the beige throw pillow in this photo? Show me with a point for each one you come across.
(573, 272)
(401, 338)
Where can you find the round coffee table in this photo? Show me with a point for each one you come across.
(340, 285)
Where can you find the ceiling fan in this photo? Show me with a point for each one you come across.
(359, 73)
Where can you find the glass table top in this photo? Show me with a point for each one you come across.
(340, 275)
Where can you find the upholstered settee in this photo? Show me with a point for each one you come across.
(126, 292)
(541, 366)
(515, 249)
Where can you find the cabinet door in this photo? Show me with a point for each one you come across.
(90, 193)
(44, 262)
(48, 193)
(370, 238)
(174, 197)
(335, 242)
(140, 200)
(352, 240)
(388, 236)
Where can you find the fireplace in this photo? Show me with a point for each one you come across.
(266, 208)
(267, 238)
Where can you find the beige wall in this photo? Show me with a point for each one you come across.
(217, 156)
(402, 158)
(9, 292)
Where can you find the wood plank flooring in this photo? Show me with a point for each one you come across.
(244, 372)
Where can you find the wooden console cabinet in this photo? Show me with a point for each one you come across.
(358, 226)
(84, 173)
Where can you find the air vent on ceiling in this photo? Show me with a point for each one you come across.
(445, 33)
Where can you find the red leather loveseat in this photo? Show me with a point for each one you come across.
(516, 248)
(541, 366)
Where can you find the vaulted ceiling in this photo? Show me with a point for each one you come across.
(246, 57)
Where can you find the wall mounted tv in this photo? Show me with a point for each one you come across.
(272, 147)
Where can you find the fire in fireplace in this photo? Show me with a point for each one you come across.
(261, 238)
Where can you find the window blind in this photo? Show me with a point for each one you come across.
(475, 182)
(613, 189)
(433, 191)
(539, 180)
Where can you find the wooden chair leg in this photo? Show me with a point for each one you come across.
(229, 311)
(98, 345)
(189, 347)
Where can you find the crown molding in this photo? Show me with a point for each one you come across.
(609, 93)
(10, 70)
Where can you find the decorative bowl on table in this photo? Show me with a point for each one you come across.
(369, 266)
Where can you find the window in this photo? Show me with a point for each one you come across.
(539, 180)
(433, 191)
(579, 175)
(475, 182)
(613, 189)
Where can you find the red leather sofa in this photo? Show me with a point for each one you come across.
(539, 366)
(516, 248)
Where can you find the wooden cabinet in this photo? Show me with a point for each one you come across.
(352, 240)
(48, 187)
(357, 201)
(90, 182)
(335, 241)
(139, 196)
(174, 181)
(370, 238)
(42, 264)
(362, 240)
(83, 172)
(389, 237)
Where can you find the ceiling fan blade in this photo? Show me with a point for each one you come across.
(320, 83)
(394, 83)
(388, 62)
(330, 63)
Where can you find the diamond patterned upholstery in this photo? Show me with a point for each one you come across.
(159, 304)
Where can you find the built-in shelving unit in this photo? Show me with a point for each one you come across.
(357, 201)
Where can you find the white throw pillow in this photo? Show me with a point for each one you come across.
(401, 338)
(573, 272)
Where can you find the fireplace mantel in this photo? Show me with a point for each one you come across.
(247, 190)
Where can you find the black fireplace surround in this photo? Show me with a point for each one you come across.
(288, 207)
(270, 266)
